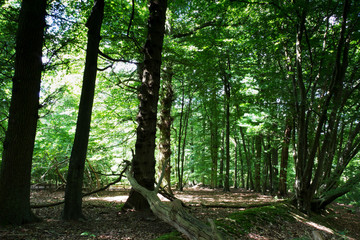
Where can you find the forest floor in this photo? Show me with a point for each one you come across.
(249, 215)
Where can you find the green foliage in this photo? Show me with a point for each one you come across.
(170, 236)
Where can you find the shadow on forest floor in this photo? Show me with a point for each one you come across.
(243, 214)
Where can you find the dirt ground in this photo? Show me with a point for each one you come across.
(106, 221)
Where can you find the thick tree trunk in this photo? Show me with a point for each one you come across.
(144, 159)
(165, 126)
(74, 182)
(18, 148)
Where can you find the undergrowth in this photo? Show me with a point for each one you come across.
(240, 223)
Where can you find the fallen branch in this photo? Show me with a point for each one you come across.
(174, 214)
(85, 194)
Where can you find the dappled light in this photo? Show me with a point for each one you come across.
(220, 119)
(103, 212)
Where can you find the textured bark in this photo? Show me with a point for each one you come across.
(144, 159)
(165, 126)
(23, 114)
(175, 215)
(73, 192)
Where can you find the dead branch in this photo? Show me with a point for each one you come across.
(85, 194)
(174, 214)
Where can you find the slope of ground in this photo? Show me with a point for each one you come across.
(248, 215)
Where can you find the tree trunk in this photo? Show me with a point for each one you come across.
(284, 160)
(175, 215)
(227, 136)
(258, 140)
(274, 171)
(165, 126)
(249, 181)
(214, 129)
(18, 147)
(236, 164)
(182, 151)
(144, 159)
(73, 193)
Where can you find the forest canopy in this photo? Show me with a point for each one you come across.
(261, 95)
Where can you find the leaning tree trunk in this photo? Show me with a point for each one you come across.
(18, 148)
(144, 159)
(73, 192)
(174, 214)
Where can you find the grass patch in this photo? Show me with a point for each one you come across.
(175, 235)
(240, 223)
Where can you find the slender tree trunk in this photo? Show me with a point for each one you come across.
(73, 192)
(258, 140)
(165, 126)
(18, 147)
(236, 164)
(222, 156)
(214, 128)
(182, 159)
(227, 136)
(284, 160)
(274, 172)
(249, 181)
(144, 160)
(180, 139)
(267, 183)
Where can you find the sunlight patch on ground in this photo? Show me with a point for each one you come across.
(257, 236)
(313, 224)
(109, 199)
(118, 199)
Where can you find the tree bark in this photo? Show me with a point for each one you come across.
(284, 160)
(227, 133)
(258, 140)
(144, 159)
(18, 147)
(165, 126)
(175, 215)
(73, 193)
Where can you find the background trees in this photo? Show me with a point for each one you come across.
(271, 84)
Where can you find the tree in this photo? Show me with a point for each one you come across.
(227, 136)
(23, 115)
(165, 126)
(73, 193)
(143, 163)
(317, 182)
(284, 160)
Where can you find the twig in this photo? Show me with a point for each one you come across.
(86, 194)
